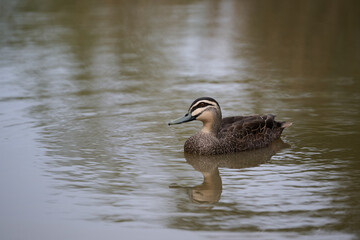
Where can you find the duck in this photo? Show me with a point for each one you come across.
(230, 134)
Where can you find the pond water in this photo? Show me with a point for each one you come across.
(87, 88)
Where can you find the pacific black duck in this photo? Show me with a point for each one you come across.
(228, 135)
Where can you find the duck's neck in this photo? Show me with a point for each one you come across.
(212, 126)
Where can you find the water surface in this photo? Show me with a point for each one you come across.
(88, 87)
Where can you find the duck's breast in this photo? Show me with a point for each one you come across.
(203, 144)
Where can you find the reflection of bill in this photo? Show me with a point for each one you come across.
(211, 188)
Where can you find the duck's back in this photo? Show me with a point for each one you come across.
(242, 133)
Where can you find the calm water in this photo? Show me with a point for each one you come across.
(87, 88)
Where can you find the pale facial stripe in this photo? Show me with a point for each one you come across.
(195, 109)
(200, 102)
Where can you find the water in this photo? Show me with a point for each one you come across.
(88, 87)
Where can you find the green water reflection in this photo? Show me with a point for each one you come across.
(87, 88)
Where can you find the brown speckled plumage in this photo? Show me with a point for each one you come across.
(230, 134)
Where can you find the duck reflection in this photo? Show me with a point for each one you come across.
(209, 191)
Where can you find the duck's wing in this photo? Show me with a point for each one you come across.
(250, 132)
(252, 123)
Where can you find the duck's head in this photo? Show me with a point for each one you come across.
(204, 109)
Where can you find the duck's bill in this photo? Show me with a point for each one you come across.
(186, 118)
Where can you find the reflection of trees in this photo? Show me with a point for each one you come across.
(91, 67)
(217, 37)
(306, 38)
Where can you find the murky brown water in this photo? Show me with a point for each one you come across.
(87, 88)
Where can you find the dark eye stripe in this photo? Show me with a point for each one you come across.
(201, 105)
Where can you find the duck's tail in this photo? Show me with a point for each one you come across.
(286, 124)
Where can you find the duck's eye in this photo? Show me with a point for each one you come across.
(202, 105)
